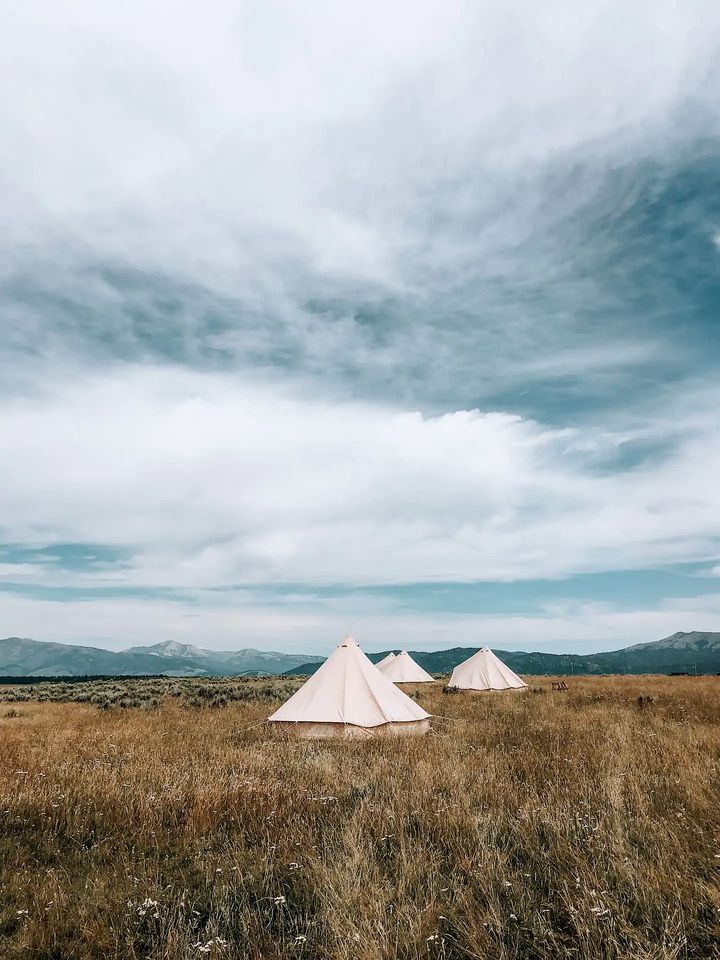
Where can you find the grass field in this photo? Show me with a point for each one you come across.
(161, 819)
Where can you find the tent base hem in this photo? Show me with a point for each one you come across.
(316, 731)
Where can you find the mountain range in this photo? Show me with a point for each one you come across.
(692, 652)
(36, 658)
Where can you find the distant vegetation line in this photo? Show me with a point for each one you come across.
(78, 678)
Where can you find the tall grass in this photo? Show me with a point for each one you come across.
(538, 825)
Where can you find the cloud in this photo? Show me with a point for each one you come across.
(242, 619)
(310, 293)
(420, 198)
(204, 482)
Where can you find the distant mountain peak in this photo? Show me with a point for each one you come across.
(684, 640)
(170, 648)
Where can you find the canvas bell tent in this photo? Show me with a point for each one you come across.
(484, 671)
(348, 696)
(381, 663)
(403, 669)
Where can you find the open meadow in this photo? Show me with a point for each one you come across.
(158, 819)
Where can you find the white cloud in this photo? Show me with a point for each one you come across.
(236, 620)
(239, 167)
(21, 571)
(209, 482)
(440, 157)
(224, 143)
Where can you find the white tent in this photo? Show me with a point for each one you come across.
(349, 696)
(403, 669)
(484, 671)
(387, 659)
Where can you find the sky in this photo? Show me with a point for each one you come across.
(401, 320)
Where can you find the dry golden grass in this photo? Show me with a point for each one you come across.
(534, 825)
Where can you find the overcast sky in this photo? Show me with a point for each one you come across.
(398, 319)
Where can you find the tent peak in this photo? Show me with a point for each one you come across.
(403, 669)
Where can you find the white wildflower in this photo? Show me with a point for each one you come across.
(146, 906)
(210, 944)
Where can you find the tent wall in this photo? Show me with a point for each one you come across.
(348, 731)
